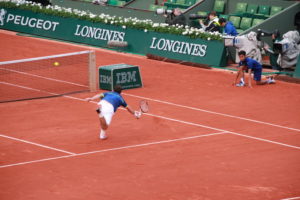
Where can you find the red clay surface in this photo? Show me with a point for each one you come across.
(202, 140)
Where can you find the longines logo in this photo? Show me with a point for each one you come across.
(2, 16)
(179, 47)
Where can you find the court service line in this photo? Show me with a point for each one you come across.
(43, 77)
(165, 102)
(138, 56)
(230, 132)
(264, 140)
(37, 90)
(196, 124)
(213, 112)
(114, 149)
(36, 144)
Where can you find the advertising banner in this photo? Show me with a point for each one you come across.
(171, 46)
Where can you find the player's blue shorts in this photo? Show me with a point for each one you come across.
(257, 74)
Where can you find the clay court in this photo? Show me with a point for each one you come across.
(203, 139)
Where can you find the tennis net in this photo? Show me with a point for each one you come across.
(47, 76)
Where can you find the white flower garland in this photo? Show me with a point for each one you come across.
(146, 25)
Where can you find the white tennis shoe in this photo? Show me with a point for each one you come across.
(241, 83)
(271, 80)
(102, 135)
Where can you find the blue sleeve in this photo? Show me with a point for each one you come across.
(228, 30)
(124, 104)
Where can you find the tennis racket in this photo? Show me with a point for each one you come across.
(144, 107)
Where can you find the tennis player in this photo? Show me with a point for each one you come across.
(250, 65)
(108, 105)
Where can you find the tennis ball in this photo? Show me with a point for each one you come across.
(56, 63)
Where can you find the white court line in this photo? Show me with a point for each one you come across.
(166, 118)
(36, 144)
(184, 122)
(44, 57)
(230, 132)
(23, 87)
(264, 140)
(43, 77)
(200, 125)
(143, 57)
(114, 149)
(37, 90)
(212, 112)
(292, 198)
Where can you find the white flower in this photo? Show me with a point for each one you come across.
(92, 15)
(163, 25)
(156, 25)
(185, 33)
(143, 24)
(69, 10)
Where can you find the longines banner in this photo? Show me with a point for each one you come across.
(98, 34)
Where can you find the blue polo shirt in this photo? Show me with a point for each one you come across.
(254, 65)
(251, 64)
(115, 99)
(229, 29)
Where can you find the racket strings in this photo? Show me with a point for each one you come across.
(144, 106)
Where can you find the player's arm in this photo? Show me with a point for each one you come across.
(97, 96)
(135, 113)
(249, 78)
(129, 109)
(240, 71)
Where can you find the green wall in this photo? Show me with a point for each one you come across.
(176, 47)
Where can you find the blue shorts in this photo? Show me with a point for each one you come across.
(257, 74)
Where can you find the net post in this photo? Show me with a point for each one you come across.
(92, 72)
